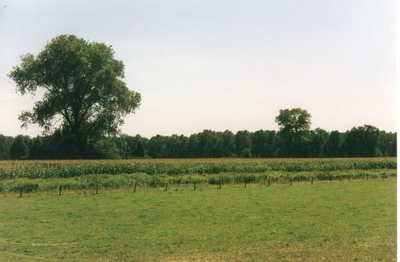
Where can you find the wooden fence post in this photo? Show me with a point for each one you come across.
(59, 190)
(220, 184)
(20, 193)
(312, 180)
(134, 188)
(97, 189)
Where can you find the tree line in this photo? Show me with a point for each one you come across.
(363, 141)
(85, 101)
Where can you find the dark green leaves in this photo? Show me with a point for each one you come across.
(84, 90)
(293, 120)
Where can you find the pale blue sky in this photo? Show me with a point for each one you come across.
(222, 64)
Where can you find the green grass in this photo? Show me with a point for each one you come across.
(339, 221)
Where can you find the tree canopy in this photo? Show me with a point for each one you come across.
(85, 96)
(363, 141)
(294, 125)
(293, 120)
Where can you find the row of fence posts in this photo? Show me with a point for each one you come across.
(268, 181)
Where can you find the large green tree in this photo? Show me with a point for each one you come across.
(85, 97)
(294, 125)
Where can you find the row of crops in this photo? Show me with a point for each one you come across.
(132, 181)
(67, 169)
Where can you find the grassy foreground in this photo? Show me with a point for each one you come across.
(339, 221)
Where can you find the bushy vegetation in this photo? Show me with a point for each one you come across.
(73, 168)
(131, 181)
(30, 176)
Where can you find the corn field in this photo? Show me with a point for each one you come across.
(73, 168)
(30, 176)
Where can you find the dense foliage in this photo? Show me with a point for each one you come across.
(363, 141)
(85, 97)
(75, 168)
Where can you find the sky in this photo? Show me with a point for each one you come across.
(219, 64)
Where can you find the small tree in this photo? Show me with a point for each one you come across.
(334, 144)
(243, 143)
(139, 151)
(19, 148)
(5, 145)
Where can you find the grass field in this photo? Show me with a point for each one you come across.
(338, 221)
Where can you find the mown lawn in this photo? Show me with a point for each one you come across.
(339, 221)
